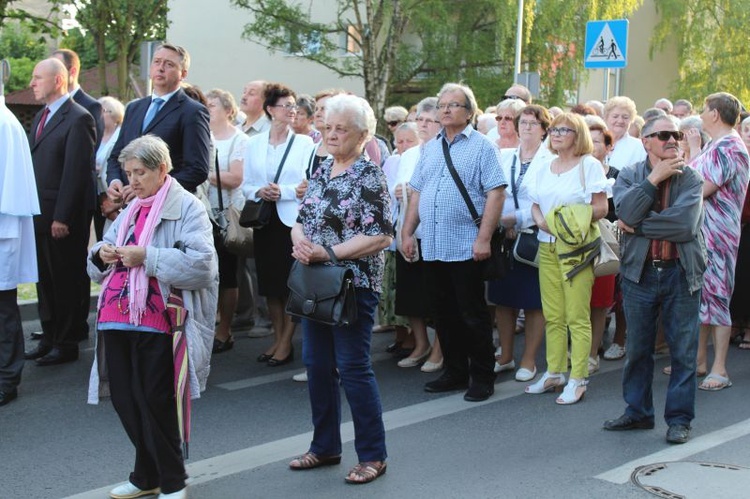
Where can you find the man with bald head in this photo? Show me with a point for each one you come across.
(62, 141)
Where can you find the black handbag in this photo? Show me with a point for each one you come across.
(323, 293)
(526, 247)
(257, 214)
(497, 265)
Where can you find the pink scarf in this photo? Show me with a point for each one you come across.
(137, 278)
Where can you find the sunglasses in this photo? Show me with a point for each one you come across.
(666, 134)
(393, 123)
(504, 118)
(513, 97)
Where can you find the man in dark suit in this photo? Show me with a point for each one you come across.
(73, 64)
(62, 141)
(171, 115)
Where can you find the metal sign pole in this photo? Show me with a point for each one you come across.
(4, 75)
(605, 95)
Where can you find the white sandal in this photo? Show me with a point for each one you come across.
(548, 382)
(573, 392)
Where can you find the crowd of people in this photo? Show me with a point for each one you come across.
(412, 215)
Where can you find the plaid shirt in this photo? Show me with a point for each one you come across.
(448, 231)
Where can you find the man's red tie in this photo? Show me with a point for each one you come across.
(40, 127)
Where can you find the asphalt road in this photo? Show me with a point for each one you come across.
(253, 419)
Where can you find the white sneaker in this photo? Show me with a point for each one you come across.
(180, 494)
(129, 491)
(614, 352)
(499, 368)
(301, 377)
(431, 367)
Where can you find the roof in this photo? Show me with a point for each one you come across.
(89, 80)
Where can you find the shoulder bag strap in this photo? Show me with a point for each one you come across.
(331, 254)
(513, 180)
(460, 184)
(218, 181)
(283, 158)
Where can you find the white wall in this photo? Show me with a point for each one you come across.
(211, 31)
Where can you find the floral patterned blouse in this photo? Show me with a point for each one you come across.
(355, 202)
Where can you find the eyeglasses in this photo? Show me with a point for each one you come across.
(664, 135)
(451, 106)
(513, 97)
(561, 131)
(529, 124)
(393, 123)
(287, 107)
(504, 118)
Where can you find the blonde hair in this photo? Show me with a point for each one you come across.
(620, 101)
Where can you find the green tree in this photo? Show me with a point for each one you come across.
(23, 47)
(712, 46)
(124, 24)
(411, 47)
(39, 23)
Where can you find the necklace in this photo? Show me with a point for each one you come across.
(123, 296)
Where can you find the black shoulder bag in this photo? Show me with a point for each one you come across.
(323, 293)
(496, 266)
(526, 247)
(257, 214)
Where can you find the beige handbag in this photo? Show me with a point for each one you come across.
(238, 239)
(607, 262)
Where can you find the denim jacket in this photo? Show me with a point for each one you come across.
(680, 222)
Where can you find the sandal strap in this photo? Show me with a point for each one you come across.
(365, 472)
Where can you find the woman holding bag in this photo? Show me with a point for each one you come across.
(519, 289)
(345, 213)
(275, 163)
(574, 183)
(230, 146)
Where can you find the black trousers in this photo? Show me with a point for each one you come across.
(141, 381)
(462, 321)
(11, 341)
(62, 280)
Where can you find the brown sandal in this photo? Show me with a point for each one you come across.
(366, 472)
(308, 461)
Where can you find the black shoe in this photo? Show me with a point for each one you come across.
(625, 422)
(445, 383)
(8, 397)
(222, 346)
(274, 362)
(36, 335)
(57, 356)
(678, 434)
(37, 353)
(478, 392)
(264, 357)
(396, 345)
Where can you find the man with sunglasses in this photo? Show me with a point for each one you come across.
(659, 203)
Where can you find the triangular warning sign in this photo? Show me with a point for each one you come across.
(605, 48)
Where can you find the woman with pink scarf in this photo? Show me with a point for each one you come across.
(162, 241)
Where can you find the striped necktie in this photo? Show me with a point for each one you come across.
(42, 122)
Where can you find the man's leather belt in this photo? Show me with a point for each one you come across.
(662, 264)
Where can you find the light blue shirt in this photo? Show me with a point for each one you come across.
(448, 230)
(55, 106)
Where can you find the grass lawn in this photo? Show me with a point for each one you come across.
(28, 291)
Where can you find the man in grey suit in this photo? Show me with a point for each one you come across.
(62, 141)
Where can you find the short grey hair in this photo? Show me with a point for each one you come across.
(395, 113)
(653, 112)
(649, 125)
(407, 126)
(358, 109)
(471, 101)
(684, 102)
(666, 103)
(595, 120)
(427, 105)
(514, 105)
(150, 150)
(694, 122)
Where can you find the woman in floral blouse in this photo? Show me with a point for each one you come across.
(346, 208)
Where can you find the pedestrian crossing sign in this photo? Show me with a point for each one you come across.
(606, 44)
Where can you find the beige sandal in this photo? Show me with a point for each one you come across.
(309, 460)
(366, 472)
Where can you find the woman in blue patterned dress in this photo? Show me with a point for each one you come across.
(724, 165)
(346, 209)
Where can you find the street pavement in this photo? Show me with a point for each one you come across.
(253, 419)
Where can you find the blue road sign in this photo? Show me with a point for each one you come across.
(606, 44)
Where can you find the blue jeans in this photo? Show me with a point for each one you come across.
(662, 294)
(328, 348)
